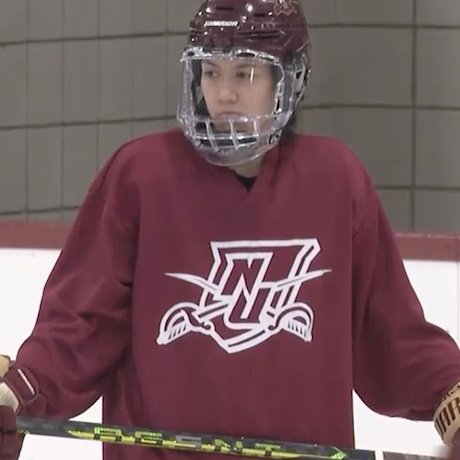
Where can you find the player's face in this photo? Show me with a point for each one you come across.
(238, 88)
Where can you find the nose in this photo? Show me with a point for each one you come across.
(227, 93)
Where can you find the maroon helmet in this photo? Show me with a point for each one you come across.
(277, 27)
(273, 31)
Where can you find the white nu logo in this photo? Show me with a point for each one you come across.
(251, 290)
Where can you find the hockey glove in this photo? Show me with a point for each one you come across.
(18, 394)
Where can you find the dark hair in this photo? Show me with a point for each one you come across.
(288, 133)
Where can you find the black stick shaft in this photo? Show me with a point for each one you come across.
(204, 443)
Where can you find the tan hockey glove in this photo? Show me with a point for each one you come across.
(447, 416)
(4, 365)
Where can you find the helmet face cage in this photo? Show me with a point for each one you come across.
(235, 145)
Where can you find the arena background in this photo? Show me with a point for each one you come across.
(78, 77)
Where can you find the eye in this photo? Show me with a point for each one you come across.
(245, 74)
(209, 73)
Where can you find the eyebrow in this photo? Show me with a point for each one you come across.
(238, 66)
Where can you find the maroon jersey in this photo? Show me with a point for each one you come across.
(190, 303)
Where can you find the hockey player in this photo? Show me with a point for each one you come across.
(233, 277)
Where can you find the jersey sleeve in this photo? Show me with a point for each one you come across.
(83, 327)
(403, 365)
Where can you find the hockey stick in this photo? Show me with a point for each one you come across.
(204, 443)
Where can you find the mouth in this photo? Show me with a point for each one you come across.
(229, 115)
(226, 122)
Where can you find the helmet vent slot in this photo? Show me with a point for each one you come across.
(261, 35)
